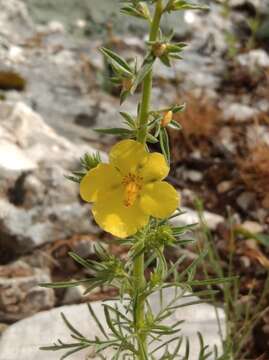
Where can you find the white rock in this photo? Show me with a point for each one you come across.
(224, 186)
(254, 59)
(27, 130)
(191, 217)
(80, 23)
(252, 226)
(14, 158)
(15, 54)
(23, 339)
(56, 26)
(238, 112)
(193, 175)
(226, 138)
(14, 19)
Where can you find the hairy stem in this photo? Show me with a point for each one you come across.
(139, 278)
(147, 83)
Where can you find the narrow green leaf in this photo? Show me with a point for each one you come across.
(164, 142)
(65, 284)
(193, 264)
(117, 62)
(210, 281)
(144, 70)
(152, 139)
(100, 326)
(79, 260)
(129, 119)
(175, 125)
(71, 352)
(165, 60)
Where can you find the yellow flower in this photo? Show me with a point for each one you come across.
(128, 190)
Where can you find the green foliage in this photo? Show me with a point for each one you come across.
(87, 163)
(179, 5)
(241, 318)
(109, 270)
(136, 9)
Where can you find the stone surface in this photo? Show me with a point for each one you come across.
(191, 217)
(252, 226)
(20, 293)
(245, 200)
(254, 59)
(238, 112)
(22, 340)
(23, 230)
(14, 14)
(37, 204)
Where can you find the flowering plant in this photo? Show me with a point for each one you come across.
(132, 201)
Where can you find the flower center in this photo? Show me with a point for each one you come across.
(132, 186)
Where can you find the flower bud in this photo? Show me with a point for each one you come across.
(143, 9)
(159, 49)
(167, 118)
(162, 236)
(127, 84)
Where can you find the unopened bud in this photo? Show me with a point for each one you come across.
(143, 9)
(159, 49)
(127, 84)
(167, 118)
(162, 236)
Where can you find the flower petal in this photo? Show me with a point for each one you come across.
(155, 168)
(99, 180)
(128, 156)
(159, 199)
(111, 215)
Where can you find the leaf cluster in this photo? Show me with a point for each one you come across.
(120, 333)
(87, 162)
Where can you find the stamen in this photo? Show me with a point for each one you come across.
(133, 185)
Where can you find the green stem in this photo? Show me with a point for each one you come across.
(139, 278)
(147, 83)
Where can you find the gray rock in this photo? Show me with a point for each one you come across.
(15, 20)
(73, 295)
(85, 246)
(245, 200)
(254, 59)
(193, 175)
(20, 293)
(38, 204)
(28, 335)
(238, 112)
(23, 230)
(191, 217)
(19, 233)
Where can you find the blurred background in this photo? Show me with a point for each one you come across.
(54, 90)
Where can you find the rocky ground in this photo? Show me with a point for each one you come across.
(53, 92)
